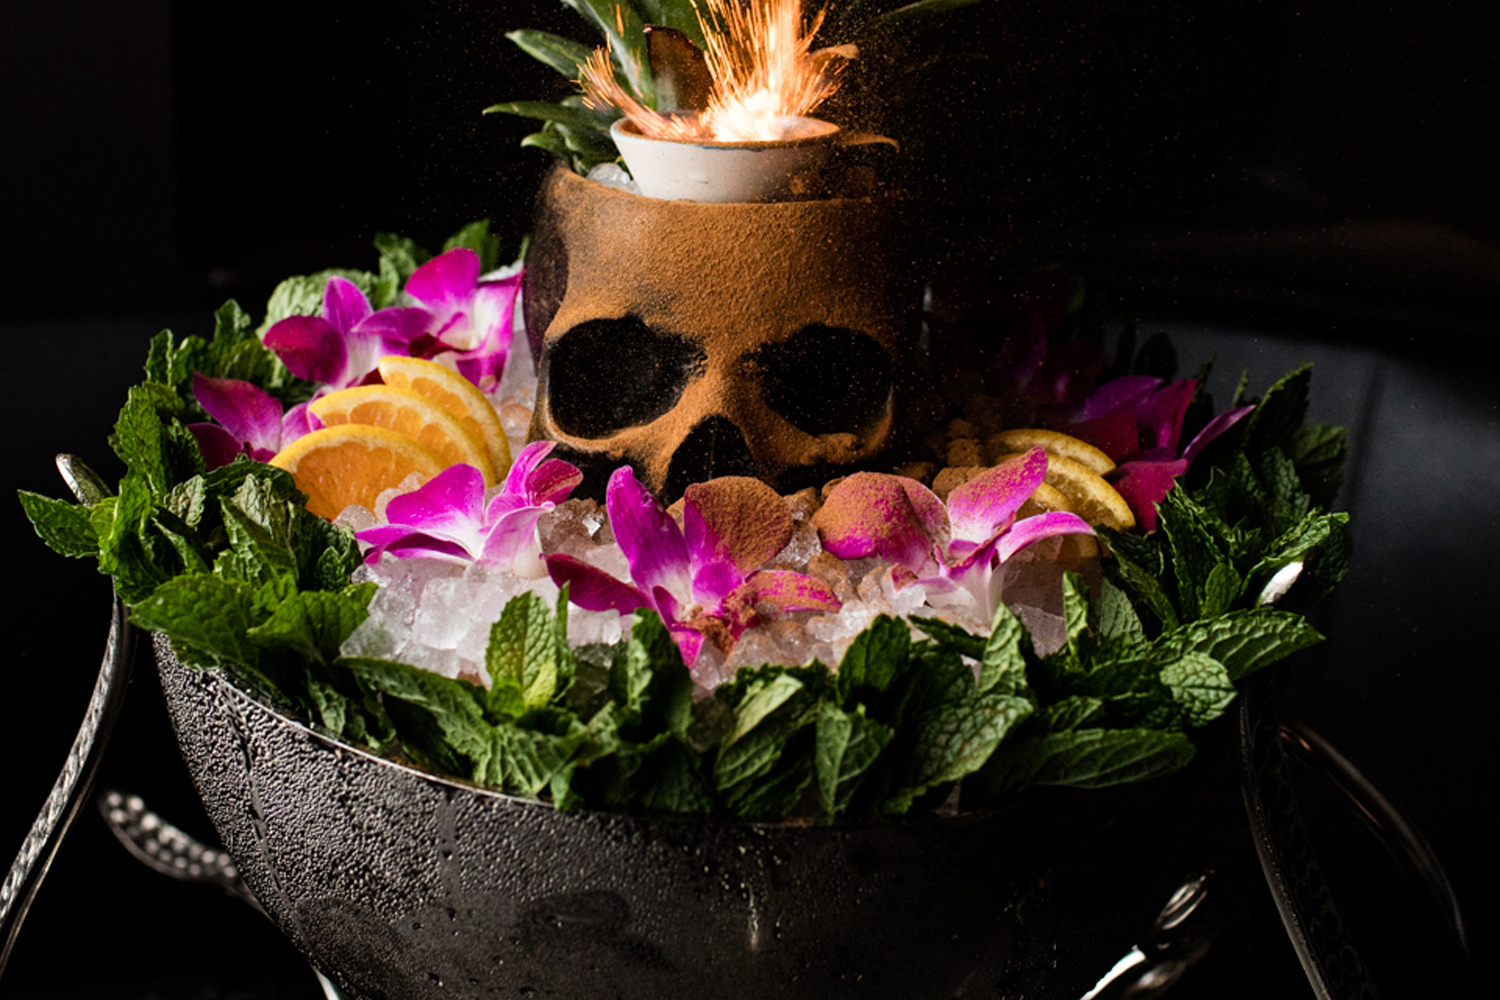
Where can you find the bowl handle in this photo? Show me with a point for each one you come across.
(71, 788)
(1319, 936)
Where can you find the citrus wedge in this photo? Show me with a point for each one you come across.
(1053, 443)
(456, 394)
(338, 466)
(1090, 496)
(405, 412)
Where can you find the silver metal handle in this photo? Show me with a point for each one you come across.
(72, 785)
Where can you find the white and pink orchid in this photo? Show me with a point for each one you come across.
(250, 421)
(705, 578)
(341, 347)
(447, 518)
(954, 550)
(469, 318)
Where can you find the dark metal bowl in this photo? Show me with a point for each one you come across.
(397, 883)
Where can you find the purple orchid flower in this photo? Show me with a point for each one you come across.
(1137, 421)
(250, 421)
(341, 347)
(704, 578)
(469, 318)
(447, 519)
(954, 549)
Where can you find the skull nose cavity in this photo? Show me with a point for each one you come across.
(825, 380)
(605, 375)
(715, 447)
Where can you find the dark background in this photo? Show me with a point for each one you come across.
(1275, 182)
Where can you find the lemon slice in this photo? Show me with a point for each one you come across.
(405, 412)
(456, 394)
(1053, 443)
(353, 463)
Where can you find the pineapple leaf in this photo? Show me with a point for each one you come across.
(575, 117)
(625, 31)
(562, 54)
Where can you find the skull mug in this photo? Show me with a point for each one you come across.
(692, 340)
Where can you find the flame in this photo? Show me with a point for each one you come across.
(758, 53)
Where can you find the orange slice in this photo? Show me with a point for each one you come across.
(338, 466)
(405, 412)
(1053, 443)
(1090, 497)
(456, 394)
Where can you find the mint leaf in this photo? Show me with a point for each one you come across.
(203, 613)
(670, 782)
(1281, 411)
(1317, 451)
(1086, 758)
(449, 708)
(303, 295)
(65, 527)
(314, 624)
(874, 660)
(1200, 685)
(1002, 665)
(1116, 615)
(848, 744)
(525, 761)
(954, 740)
(763, 699)
(651, 681)
(1069, 713)
(1243, 641)
(522, 655)
(955, 637)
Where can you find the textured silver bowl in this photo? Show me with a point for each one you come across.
(399, 884)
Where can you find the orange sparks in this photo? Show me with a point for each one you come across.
(758, 54)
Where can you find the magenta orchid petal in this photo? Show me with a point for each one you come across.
(219, 447)
(593, 589)
(651, 541)
(1161, 413)
(344, 305)
(512, 538)
(1218, 425)
(1033, 529)
(447, 279)
(789, 591)
(871, 513)
(1117, 394)
(689, 641)
(393, 329)
(404, 543)
(449, 501)
(310, 347)
(714, 581)
(1145, 484)
(988, 503)
(249, 413)
(297, 421)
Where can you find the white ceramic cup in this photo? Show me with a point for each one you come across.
(720, 172)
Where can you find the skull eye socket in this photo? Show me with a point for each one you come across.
(825, 379)
(604, 375)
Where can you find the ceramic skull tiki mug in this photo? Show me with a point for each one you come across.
(693, 340)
